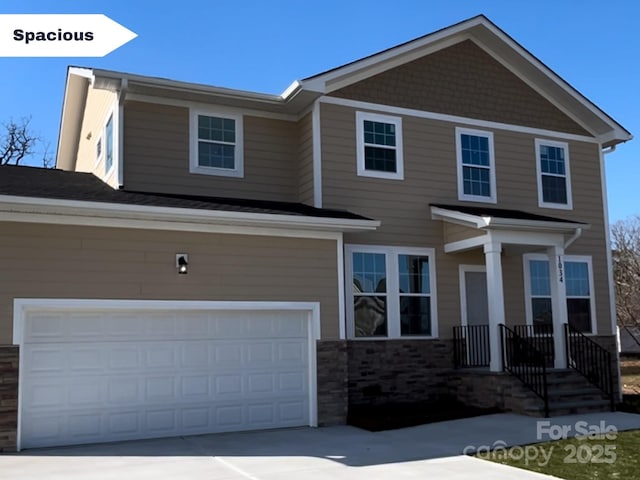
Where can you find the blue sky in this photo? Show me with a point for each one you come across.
(264, 45)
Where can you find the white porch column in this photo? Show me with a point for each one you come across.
(558, 303)
(495, 294)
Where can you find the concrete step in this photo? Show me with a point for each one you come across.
(574, 392)
(568, 407)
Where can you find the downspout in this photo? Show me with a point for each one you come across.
(576, 235)
(612, 291)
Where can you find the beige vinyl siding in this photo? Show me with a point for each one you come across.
(99, 106)
(431, 177)
(156, 151)
(455, 233)
(49, 261)
(305, 159)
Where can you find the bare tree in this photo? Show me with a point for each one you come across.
(625, 236)
(17, 142)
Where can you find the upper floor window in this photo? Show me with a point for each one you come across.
(379, 143)
(578, 282)
(216, 144)
(476, 165)
(554, 185)
(392, 292)
(108, 133)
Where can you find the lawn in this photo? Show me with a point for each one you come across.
(615, 457)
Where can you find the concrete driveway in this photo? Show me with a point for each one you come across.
(342, 452)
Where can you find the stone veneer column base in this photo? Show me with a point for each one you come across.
(333, 382)
(9, 357)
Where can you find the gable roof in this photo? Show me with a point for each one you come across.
(41, 186)
(301, 94)
(502, 48)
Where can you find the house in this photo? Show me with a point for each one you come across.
(206, 259)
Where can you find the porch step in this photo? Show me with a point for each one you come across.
(568, 392)
(573, 392)
(569, 407)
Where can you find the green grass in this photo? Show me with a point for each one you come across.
(577, 459)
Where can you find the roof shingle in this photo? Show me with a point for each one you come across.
(25, 181)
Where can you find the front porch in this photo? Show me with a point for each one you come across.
(551, 347)
(528, 358)
(483, 300)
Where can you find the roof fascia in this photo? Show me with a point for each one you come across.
(178, 86)
(488, 222)
(117, 211)
(537, 225)
(459, 218)
(620, 132)
(377, 63)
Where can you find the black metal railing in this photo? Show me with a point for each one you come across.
(591, 360)
(541, 337)
(471, 346)
(525, 362)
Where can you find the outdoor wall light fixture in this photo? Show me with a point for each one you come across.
(182, 261)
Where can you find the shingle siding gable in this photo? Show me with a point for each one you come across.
(462, 80)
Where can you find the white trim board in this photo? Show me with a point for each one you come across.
(74, 212)
(463, 121)
(316, 148)
(174, 102)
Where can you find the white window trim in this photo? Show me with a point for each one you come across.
(393, 295)
(114, 139)
(565, 258)
(360, 144)
(492, 166)
(194, 167)
(567, 176)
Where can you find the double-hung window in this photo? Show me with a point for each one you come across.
(391, 292)
(216, 144)
(379, 146)
(577, 277)
(476, 165)
(554, 181)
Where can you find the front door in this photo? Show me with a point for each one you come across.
(475, 312)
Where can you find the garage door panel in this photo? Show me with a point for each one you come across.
(44, 360)
(160, 355)
(123, 358)
(133, 380)
(227, 355)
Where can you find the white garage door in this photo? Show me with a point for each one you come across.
(93, 376)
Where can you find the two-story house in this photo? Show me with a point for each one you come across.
(206, 259)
